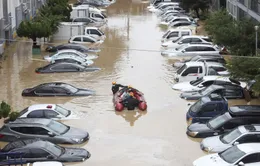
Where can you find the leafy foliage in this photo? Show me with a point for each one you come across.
(196, 5)
(13, 116)
(5, 109)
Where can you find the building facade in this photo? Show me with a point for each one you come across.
(218, 4)
(244, 8)
(12, 13)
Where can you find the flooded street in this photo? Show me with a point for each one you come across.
(153, 138)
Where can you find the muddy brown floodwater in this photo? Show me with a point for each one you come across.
(154, 138)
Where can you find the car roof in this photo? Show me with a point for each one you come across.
(214, 64)
(249, 147)
(40, 121)
(42, 106)
(210, 56)
(203, 64)
(49, 163)
(74, 45)
(176, 22)
(83, 36)
(204, 45)
(213, 97)
(196, 36)
(64, 62)
(22, 143)
(179, 30)
(239, 110)
(91, 28)
(74, 57)
(67, 50)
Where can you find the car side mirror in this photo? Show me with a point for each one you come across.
(235, 143)
(51, 134)
(241, 163)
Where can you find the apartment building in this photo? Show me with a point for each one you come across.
(12, 12)
(244, 8)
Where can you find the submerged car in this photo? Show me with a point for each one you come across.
(239, 155)
(63, 66)
(34, 150)
(78, 47)
(45, 129)
(56, 89)
(48, 111)
(240, 135)
(230, 91)
(46, 163)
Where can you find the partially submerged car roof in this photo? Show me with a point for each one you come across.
(245, 110)
(32, 121)
(20, 144)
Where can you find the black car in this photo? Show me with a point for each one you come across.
(63, 66)
(56, 89)
(237, 115)
(77, 47)
(229, 91)
(33, 150)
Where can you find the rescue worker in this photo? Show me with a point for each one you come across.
(115, 87)
(131, 102)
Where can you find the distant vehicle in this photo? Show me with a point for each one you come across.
(239, 135)
(176, 24)
(34, 150)
(194, 70)
(186, 40)
(157, 3)
(83, 39)
(78, 47)
(169, 20)
(48, 111)
(191, 50)
(45, 129)
(236, 116)
(95, 32)
(162, 7)
(56, 89)
(97, 3)
(73, 59)
(239, 155)
(204, 58)
(69, 52)
(169, 8)
(97, 20)
(204, 82)
(63, 67)
(228, 91)
(165, 14)
(46, 163)
(174, 34)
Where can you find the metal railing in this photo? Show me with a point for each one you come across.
(9, 158)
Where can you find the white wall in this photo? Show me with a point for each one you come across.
(1, 9)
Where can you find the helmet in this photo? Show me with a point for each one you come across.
(113, 83)
(131, 94)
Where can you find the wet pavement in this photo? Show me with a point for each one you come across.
(156, 137)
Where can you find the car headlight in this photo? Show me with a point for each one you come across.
(207, 149)
(189, 121)
(193, 134)
(83, 159)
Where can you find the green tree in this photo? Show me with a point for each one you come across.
(13, 116)
(5, 109)
(196, 5)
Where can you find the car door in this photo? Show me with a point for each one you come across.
(251, 159)
(58, 91)
(39, 154)
(44, 91)
(26, 153)
(208, 112)
(191, 73)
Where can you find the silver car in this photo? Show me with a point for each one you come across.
(240, 135)
(45, 129)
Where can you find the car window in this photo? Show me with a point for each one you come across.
(209, 49)
(98, 16)
(207, 83)
(200, 69)
(188, 40)
(191, 49)
(173, 34)
(26, 153)
(210, 108)
(185, 33)
(235, 122)
(185, 23)
(207, 40)
(30, 130)
(77, 39)
(44, 89)
(35, 114)
(176, 25)
(57, 67)
(219, 68)
(201, 48)
(85, 39)
(95, 32)
(59, 90)
(190, 70)
(196, 40)
(252, 158)
(39, 153)
(249, 138)
(50, 114)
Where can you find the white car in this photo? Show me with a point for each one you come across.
(156, 7)
(168, 13)
(174, 34)
(162, 7)
(179, 9)
(49, 111)
(46, 163)
(70, 52)
(191, 50)
(204, 82)
(239, 155)
(240, 135)
(194, 70)
(176, 24)
(178, 18)
(83, 39)
(95, 32)
(73, 59)
(186, 40)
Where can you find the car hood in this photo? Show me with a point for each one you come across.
(199, 127)
(182, 85)
(214, 144)
(80, 154)
(191, 95)
(75, 133)
(212, 160)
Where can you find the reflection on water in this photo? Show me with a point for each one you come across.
(127, 138)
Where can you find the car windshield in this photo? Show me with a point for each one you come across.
(181, 47)
(71, 88)
(166, 34)
(230, 136)
(169, 18)
(58, 127)
(177, 40)
(62, 110)
(196, 107)
(207, 90)
(231, 155)
(180, 70)
(55, 149)
(219, 120)
(195, 58)
(197, 81)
